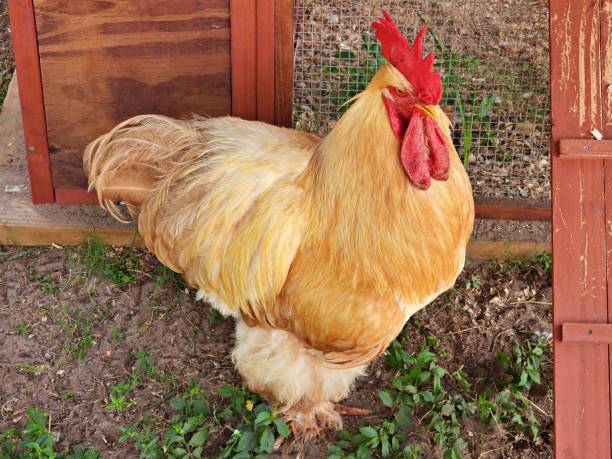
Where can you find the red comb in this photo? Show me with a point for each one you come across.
(409, 59)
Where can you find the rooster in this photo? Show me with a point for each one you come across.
(320, 248)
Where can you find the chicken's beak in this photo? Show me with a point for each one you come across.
(429, 110)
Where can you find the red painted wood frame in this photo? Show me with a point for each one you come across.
(582, 214)
(23, 26)
(261, 56)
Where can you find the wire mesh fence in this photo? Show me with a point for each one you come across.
(493, 56)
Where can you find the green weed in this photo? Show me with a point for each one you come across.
(420, 390)
(22, 329)
(119, 394)
(117, 265)
(35, 441)
(33, 370)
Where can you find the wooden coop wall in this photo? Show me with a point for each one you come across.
(85, 66)
(581, 89)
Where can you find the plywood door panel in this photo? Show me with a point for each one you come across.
(581, 371)
(105, 61)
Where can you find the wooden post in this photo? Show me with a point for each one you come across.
(283, 63)
(605, 35)
(25, 44)
(581, 371)
(254, 44)
(243, 15)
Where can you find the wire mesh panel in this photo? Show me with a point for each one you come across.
(493, 56)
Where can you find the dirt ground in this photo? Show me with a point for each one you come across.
(6, 53)
(49, 307)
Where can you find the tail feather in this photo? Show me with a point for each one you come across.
(125, 163)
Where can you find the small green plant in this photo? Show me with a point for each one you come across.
(474, 281)
(33, 370)
(119, 394)
(258, 427)
(22, 329)
(186, 435)
(47, 283)
(510, 405)
(165, 276)
(35, 441)
(544, 260)
(116, 334)
(117, 265)
(80, 347)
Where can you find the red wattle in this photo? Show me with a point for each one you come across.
(398, 126)
(413, 153)
(439, 159)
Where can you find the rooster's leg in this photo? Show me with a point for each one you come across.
(279, 366)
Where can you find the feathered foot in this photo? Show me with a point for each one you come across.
(308, 421)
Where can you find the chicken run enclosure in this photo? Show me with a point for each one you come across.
(292, 63)
(494, 60)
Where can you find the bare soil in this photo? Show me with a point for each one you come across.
(48, 303)
(7, 63)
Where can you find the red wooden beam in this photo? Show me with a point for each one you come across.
(243, 17)
(581, 371)
(283, 62)
(265, 60)
(586, 333)
(585, 149)
(605, 34)
(512, 210)
(72, 196)
(25, 44)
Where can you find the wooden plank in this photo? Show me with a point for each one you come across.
(71, 196)
(27, 235)
(500, 209)
(605, 33)
(265, 60)
(586, 333)
(103, 62)
(24, 37)
(283, 63)
(585, 149)
(502, 250)
(244, 58)
(581, 371)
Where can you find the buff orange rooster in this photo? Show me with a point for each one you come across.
(320, 248)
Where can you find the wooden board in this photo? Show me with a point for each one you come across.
(581, 371)
(585, 149)
(606, 129)
(512, 209)
(283, 63)
(586, 333)
(103, 62)
(31, 90)
(244, 58)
